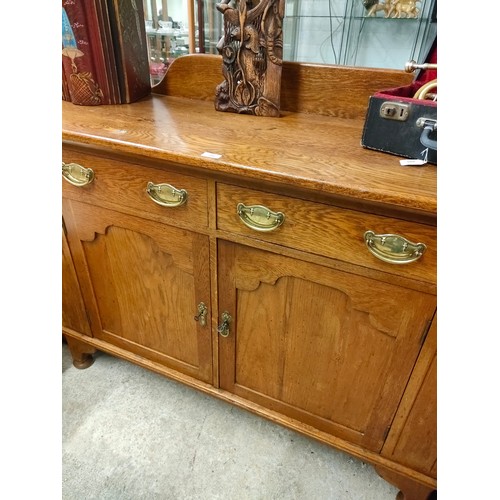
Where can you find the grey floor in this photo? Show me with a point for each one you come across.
(130, 434)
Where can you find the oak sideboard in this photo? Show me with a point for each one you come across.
(271, 262)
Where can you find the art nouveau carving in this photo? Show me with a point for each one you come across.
(251, 49)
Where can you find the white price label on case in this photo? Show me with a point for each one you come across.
(412, 163)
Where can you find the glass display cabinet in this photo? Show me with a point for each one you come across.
(370, 33)
(359, 32)
(170, 31)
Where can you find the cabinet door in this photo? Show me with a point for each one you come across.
(413, 437)
(74, 316)
(330, 349)
(143, 281)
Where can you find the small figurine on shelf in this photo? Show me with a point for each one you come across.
(392, 8)
(406, 7)
(377, 7)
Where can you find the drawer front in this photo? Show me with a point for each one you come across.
(326, 230)
(125, 184)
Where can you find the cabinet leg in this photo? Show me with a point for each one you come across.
(408, 488)
(81, 353)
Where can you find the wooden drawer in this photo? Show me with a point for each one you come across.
(328, 230)
(124, 184)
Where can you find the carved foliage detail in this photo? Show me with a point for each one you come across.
(252, 51)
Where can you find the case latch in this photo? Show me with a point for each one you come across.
(395, 111)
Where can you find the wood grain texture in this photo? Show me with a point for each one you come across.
(413, 437)
(145, 281)
(324, 337)
(316, 344)
(325, 230)
(73, 308)
(398, 280)
(124, 184)
(340, 91)
(308, 152)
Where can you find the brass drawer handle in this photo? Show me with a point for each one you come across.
(166, 195)
(393, 248)
(76, 174)
(259, 218)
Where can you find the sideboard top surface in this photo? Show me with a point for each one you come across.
(301, 150)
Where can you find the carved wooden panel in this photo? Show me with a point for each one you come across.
(252, 51)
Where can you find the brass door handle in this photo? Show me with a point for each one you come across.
(166, 195)
(259, 218)
(76, 174)
(393, 248)
(223, 328)
(202, 314)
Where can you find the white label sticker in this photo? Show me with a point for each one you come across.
(409, 163)
(215, 156)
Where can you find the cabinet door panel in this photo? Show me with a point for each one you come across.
(74, 316)
(413, 437)
(332, 349)
(146, 280)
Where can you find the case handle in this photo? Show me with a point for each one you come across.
(429, 125)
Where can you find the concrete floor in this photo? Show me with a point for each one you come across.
(131, 434)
